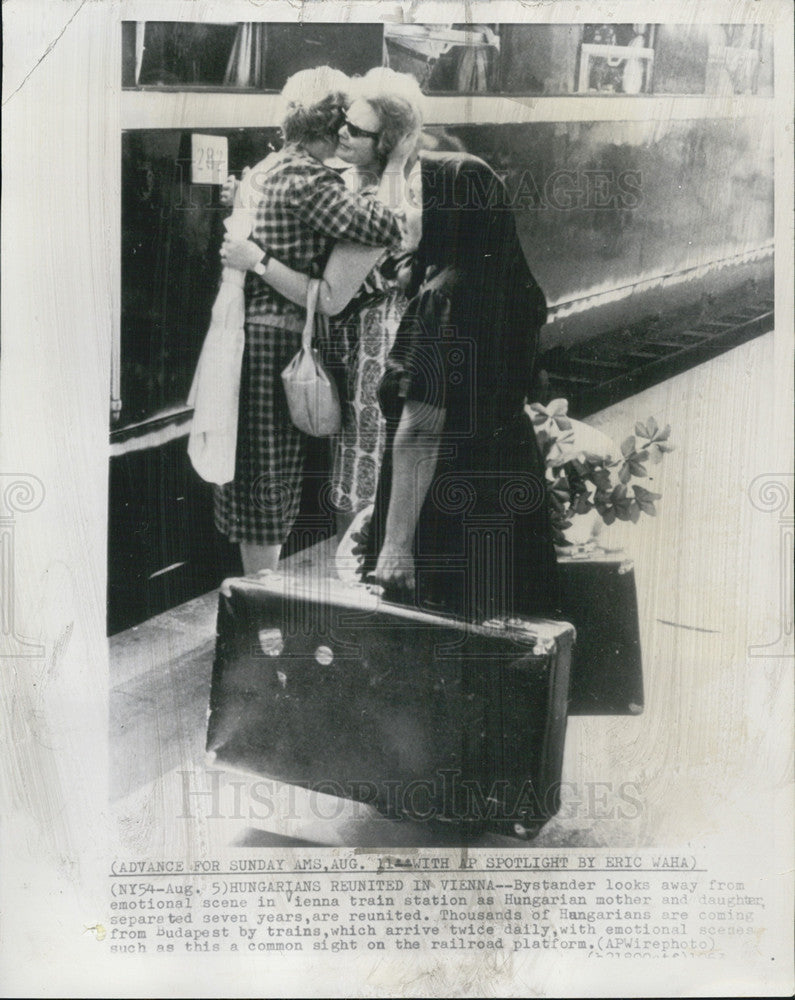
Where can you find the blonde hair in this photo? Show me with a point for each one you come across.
(312, 104)
(397, 100)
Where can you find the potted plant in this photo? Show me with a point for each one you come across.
(589, 481)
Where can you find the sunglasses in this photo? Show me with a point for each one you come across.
(358, 133)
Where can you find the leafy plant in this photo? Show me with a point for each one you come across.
(580, 480)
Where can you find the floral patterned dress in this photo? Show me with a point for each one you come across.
(360, 342)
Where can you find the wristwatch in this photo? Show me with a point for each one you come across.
(259, 268)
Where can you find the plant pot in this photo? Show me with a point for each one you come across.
(584, 531)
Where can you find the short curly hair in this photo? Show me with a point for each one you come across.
(313, 104)
(397, 100)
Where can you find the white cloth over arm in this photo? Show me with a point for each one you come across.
(215, 391)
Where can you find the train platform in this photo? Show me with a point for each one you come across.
(713, 618)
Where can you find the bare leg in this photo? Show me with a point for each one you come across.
(258, 557)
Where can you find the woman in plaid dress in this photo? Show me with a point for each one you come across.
(379, 133)
(304, 208)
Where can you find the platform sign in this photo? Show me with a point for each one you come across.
(209, 159)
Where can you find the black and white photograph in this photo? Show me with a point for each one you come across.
(397, 501)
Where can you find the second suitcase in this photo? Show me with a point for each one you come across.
(599, 598)
(326, 686)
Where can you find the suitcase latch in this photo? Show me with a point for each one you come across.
(271, 641)
(544, 647)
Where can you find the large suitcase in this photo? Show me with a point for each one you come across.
(324, 685)
(599, 599)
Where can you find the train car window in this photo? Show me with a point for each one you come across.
(616, 59)
(181, 54)
(446, 58)
(292, 47)
(170, 54)
(607, 59)
(715, 59)
(540, 58)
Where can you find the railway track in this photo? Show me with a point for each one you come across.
(613, 366)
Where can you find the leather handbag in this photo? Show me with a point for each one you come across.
(312, 395)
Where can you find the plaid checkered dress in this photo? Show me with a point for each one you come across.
(304, 208)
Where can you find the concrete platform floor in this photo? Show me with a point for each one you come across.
(713, 628)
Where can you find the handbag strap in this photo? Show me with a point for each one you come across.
(311, 305)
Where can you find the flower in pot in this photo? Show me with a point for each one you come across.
(590, 482)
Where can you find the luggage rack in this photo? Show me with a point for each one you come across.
(618, 364)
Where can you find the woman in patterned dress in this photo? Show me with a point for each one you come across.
(388, 105)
